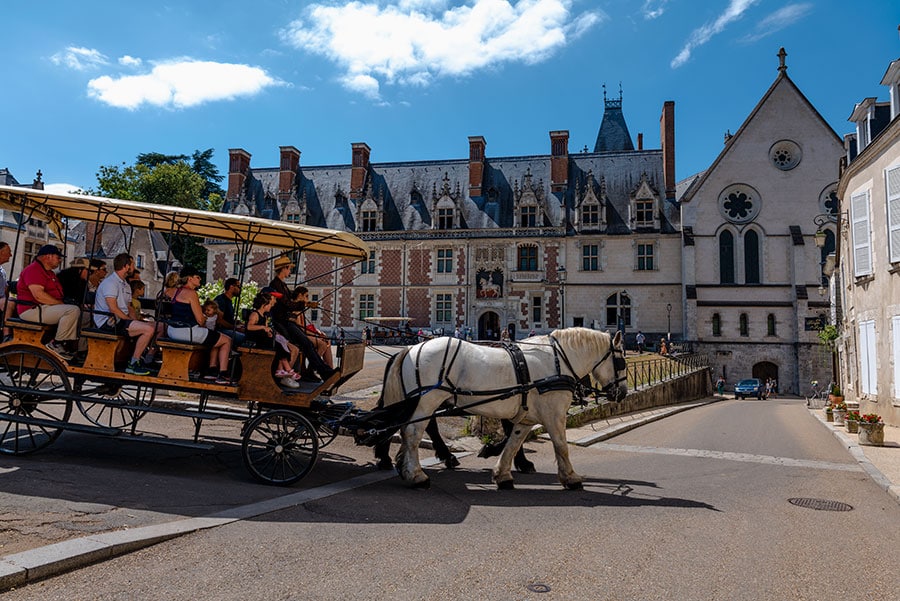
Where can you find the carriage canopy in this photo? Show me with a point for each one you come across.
(59, 209)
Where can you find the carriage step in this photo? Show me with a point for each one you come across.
(53, 425)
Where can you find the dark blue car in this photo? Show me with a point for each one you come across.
(750, 387)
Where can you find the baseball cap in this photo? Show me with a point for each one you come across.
(48, 249)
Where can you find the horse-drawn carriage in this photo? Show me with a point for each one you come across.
(282, 430)
(42, 394)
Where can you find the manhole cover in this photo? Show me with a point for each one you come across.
(820, 504)
(538, 587)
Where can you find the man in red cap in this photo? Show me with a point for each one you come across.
(40, 299)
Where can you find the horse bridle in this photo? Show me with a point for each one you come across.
(619, 366)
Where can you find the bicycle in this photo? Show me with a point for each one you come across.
(818, 394)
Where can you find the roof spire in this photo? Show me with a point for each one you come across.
(782, 68)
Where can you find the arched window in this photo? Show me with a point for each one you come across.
(770, 324)
(618, 306)
(744, 325)
(751, 257)
(716, 324)
(726, 258)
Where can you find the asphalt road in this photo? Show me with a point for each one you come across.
(695, 506)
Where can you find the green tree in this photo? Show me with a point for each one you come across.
(177, 180)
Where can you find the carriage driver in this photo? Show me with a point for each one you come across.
(113, 311)
(40, 300)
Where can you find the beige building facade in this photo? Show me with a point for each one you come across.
(867, 281)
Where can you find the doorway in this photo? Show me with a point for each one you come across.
(765, 370)
(489, 326)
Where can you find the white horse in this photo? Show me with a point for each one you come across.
(484, 380)
(489, 289)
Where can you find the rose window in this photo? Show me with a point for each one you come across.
(785, 155)
(739, 203)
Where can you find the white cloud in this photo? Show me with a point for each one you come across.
(130, 61)
(79, 58)
(181, 83)
(654, 9)
(778, 20)
(416, 41)
(700, 36)
(62, 188)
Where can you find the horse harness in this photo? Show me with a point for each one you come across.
(558, 381)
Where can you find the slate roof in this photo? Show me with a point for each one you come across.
(408, 190)
(613, 135)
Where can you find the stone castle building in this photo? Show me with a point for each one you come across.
(522, 242)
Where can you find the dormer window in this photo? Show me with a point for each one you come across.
(644, 203)
(528, 216)
(445, 218)
(293, 218)
(590, 216)
(369, 221)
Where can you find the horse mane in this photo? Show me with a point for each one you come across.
(583, 338)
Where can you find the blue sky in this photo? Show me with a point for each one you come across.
(93, 83)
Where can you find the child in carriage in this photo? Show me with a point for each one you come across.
(320, 341)
(262, 336)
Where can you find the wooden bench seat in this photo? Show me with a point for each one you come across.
(30, 332)
(106, 349)
(179, 358)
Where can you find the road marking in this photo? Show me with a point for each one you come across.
(744, 457)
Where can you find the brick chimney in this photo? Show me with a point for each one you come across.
(640, 141)
(290, 162)
(667, 141)
(476, 165)
(361, 152)
(238, 166)
(559, 160)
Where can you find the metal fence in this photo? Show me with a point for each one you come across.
(653, 371)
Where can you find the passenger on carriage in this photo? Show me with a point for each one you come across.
(228, 323)
(96, 272)
(262, 336)
(113, 312)
(40, 300)
(281, 319)
(185, 326)
(6, 307)
(316, 336)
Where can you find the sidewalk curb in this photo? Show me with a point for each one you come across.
(857, 453)
(51, 560)
(615, 430)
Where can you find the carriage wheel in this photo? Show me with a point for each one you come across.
(280, 447)
(34, 387)
(109, 413)
(326, 433)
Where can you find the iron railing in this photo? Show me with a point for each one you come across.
(653, 371)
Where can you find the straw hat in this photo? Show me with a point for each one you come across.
(81, 263)
(282, 262)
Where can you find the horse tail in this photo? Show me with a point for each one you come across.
(393, 379)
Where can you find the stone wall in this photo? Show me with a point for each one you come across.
(682, 389)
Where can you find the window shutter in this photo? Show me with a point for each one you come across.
(867, 364)
(862, 247)
(893, 212)
(895, 327)
(873, 363)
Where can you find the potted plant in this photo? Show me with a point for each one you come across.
(836, 396)
(840, 412)
(852, 422)
(829, 413)
(871, 430)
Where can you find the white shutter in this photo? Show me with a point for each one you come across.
(862, 247)
(892, 184)
(867, 357)
(895, 352)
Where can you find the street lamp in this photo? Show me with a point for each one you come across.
(669, 322)
(561, 276)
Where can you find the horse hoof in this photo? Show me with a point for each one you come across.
(423, 484)
(505, 485)
(525, 467)
(451, 462)
(573, 485)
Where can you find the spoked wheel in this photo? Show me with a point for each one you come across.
(35, 399)
(121, 409)
(280, 447)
